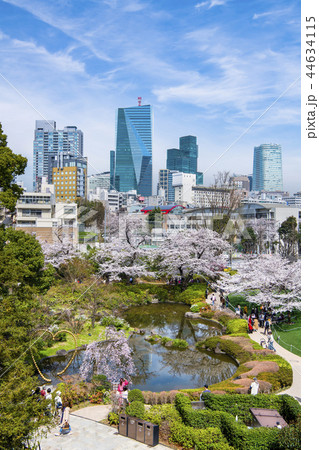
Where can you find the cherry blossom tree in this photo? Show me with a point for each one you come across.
(265, 232)
(111, 357)
(119, 260)
(274, 278)
(58, 253)
(124, 257)
(194, 252)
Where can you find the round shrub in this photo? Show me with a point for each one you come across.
(236, 326)
(136, 409)
(195, 308)
(135, 395)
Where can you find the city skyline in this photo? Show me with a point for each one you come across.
(225, 72)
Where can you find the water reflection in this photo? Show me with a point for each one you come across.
(160, 368)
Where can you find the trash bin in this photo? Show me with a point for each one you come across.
(140, 430)
(151, 433)
(131, 427)
(122, 424)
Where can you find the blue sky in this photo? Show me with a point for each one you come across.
(209, 68)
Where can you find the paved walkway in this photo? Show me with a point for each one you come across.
(88, 434)
(294, 360)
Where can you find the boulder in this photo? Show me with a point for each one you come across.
(61, 352)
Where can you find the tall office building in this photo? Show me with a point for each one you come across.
(50, 141)
(133, 161)
(185, 158)
(267, 170)
(68, 174)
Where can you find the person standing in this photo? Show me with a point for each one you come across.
(123, 399)
(205, 391)
(121, 385)
(256, 324)
(261, 319)
(254, 387)
(267, 326)
(250, 325)
(65, 419)
(238, 310)
(58, 403)
(213, 299)
(271, 341)
(43, 392)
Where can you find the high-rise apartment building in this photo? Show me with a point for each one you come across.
(133, 161)
(185, 158)
(50, 141)
(267, 169)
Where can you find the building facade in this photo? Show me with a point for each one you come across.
(99, 180)
(267, 168)
(50, 141)
(112, 169)
(37, 213)
(183, 184)
(133, 159)
(184, 159)
(69, 176)
(165, 181)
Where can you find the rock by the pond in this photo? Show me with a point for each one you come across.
(61, 352)
(191, 315)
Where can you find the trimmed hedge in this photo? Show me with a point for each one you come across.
(161, 413)
(188, 438)
(237, 434)
(136, 409)
(239, 404)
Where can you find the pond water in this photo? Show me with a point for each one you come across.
(160, 368)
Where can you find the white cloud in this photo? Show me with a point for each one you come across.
(211, 3)
(274, 13)
(60, 61)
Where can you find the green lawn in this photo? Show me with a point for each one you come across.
(289, 336)
(85, 337)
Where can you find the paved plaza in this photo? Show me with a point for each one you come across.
(88, 434)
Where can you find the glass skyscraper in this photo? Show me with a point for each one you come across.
(48, 141)
(133, 163)
(185, 158)
(267, 171)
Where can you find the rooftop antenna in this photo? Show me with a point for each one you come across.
(139, 99)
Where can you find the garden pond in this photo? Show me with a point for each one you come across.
(160, 368)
